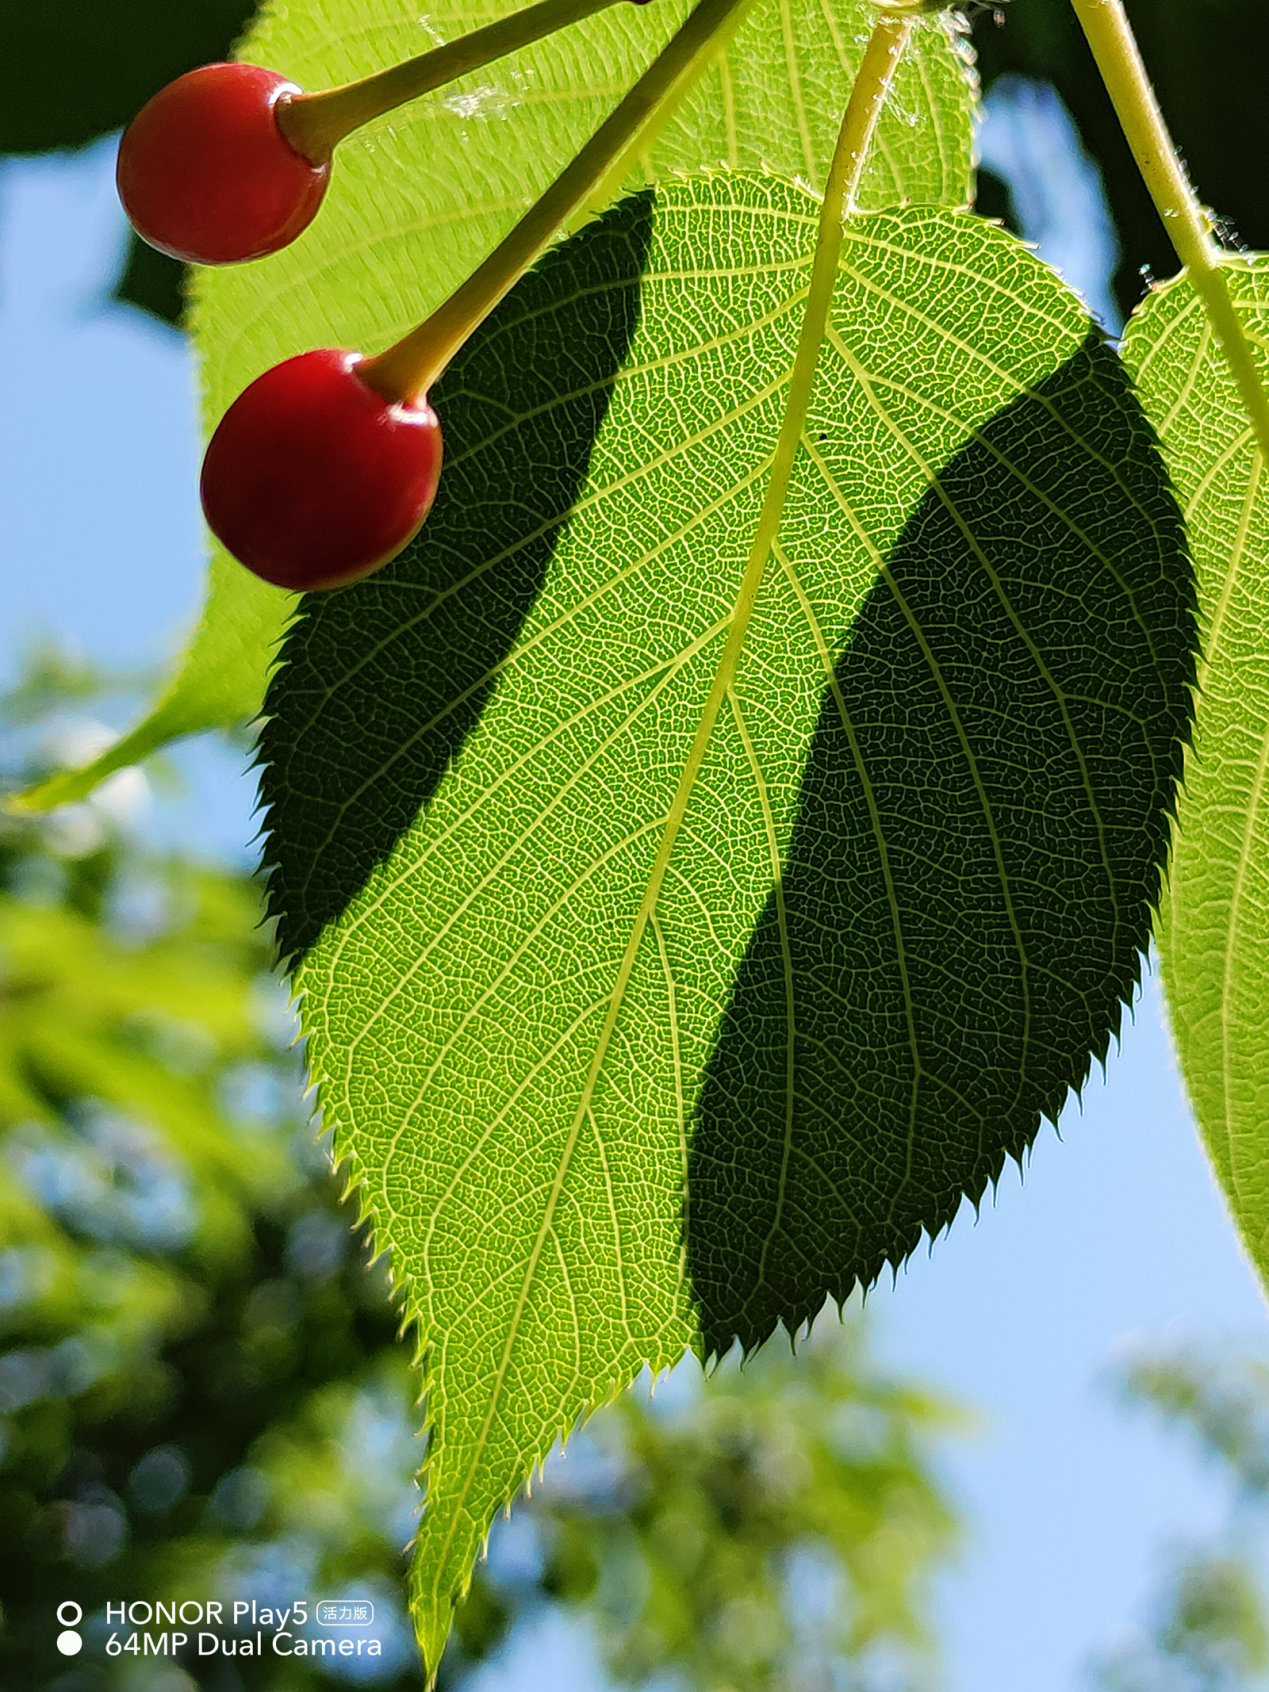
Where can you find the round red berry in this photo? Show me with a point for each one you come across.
(206, 175)
(313, 480)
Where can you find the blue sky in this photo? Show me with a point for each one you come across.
(1073, 1502)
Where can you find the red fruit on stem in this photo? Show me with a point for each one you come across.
(206, 175)
(313, 479)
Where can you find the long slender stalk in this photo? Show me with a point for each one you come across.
(644, 139)
(1119, 60)
(876, 72)
(316, 123)
(881, 59)
(408, 369)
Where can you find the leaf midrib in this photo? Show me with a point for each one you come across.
(621, 730)
(786, 956)
(813, 334)
(801, 385)
(673, 660)
(802, 377)
(717, 425)
(870, 797)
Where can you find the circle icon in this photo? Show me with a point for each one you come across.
(69, 1643)
(69, 1621)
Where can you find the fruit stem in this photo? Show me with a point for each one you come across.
(407, 370)
(315, 124)
(636, 152)
(872, 85)
(876, 73)
(1189, 229)
(867, 98)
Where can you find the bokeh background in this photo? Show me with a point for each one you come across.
(1039, 1459)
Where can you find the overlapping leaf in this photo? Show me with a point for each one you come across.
(420, 197)
(74, 69)
(916, 871)
(1215, 931)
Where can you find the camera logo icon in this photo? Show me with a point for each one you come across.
(69, 1614)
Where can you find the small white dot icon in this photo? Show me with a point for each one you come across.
(69, 1614)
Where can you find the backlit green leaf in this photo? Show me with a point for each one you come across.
(421, 196)
(915, 875)
(1215, 931)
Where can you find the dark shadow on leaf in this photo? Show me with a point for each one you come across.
(982, 828)
(380, 684)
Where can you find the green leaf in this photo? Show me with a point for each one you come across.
(1215, 931)
(913, 881)
(73, 69)
(420, 197)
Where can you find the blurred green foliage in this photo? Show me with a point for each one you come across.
(201, 1389)
(1209, 1634)
(193, 1350)
(1209, 1630)
(775, 1528)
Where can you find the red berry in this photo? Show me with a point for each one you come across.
(313, 480)
(206, 175)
